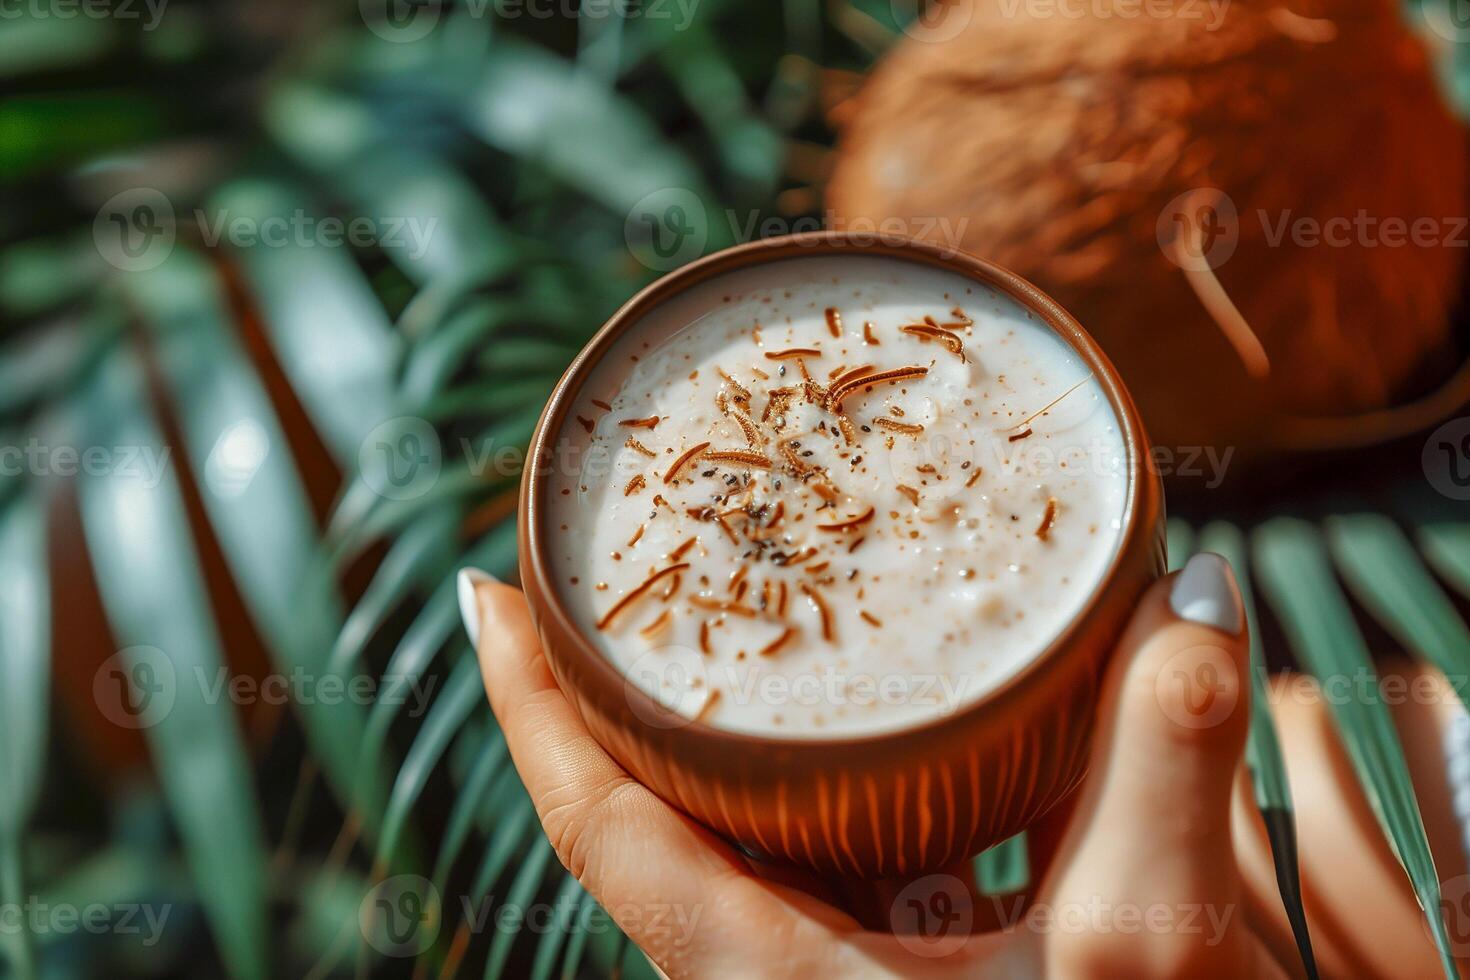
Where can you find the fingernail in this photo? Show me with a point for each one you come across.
(1205, 593)
(469, 608)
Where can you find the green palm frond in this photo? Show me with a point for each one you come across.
(1263, 745)
(25, 669)
(148, 575)
(1297, 578)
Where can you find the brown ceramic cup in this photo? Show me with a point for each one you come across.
(889, 804)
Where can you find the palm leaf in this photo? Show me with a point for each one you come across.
(34, 42)
(258, 509)
(1446, 547)
(470, 804)
(577, 942)
(1296, 576)
(146, 570)
(431, 361)
(462, 694)
(567, 905)
(522, 889)
(1179, 540)
(437, 622)
(749, 148)
(1263, 748)
(1387, 577)
(530, 105)
(424, 551)
(515, 827)
(325, 325)
(25, 680)
(1004, 868)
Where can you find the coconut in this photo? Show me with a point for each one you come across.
(1256, 207)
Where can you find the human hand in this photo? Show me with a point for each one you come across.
(1147, 838)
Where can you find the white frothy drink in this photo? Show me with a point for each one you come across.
(829, 497)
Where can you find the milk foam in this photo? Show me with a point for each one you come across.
(815, 571)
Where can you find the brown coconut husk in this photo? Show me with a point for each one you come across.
(1055, 143)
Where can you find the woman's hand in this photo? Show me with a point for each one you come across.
(1141, 877)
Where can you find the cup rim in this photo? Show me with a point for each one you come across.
(600, 670)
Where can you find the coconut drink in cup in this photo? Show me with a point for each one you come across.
(827, 540)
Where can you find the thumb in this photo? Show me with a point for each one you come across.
(1151, 835)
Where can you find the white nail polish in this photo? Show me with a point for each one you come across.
(1205, 592)
(469, 608)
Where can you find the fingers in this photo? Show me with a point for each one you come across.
(656, 872)
(1151, 838)
(1339, 837)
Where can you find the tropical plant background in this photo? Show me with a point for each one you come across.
(273, 544)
